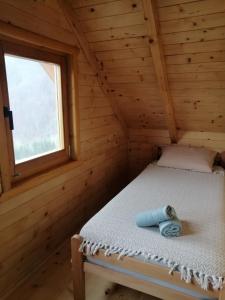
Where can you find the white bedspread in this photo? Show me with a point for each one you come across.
(199, 200)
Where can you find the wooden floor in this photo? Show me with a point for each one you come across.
(53, 282)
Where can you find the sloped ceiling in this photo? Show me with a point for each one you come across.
(193, 39)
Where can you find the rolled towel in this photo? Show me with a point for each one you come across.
(156, 216)
(171, 227)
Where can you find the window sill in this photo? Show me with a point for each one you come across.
(37, 180)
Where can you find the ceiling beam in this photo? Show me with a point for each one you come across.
(83, 43)
(151, 18)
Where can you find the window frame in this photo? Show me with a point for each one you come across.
(23, 43)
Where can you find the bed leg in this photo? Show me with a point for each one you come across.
(77, 269)
(222, 294)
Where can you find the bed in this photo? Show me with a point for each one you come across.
(191, 266)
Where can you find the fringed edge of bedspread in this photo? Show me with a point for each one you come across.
(187, 274)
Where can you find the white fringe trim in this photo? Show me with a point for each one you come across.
(187, 274)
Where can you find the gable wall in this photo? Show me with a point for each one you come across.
(193, 35)
(117, 34)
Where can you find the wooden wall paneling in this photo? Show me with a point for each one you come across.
(116, 33)
(195, 68)
(206, 34)
(123, 54)
(18, 17)
(36, 232)
(8, 31)
(196, 8)
(46, 11)
(193, 23)
(198, 47)
(164, 3)
(122, 64)
(77, 30)
(126, 63)
(193, 37)
(84, 3)
(40, 213)
(115, 21)
(159, 64)
(53, 212)
(193, 58)
(128, 43)
(131, 78)
(112, 8)
(143, 142)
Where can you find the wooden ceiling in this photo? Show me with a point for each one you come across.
(192, 34)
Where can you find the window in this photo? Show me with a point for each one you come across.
(35, 98)
(34, 89)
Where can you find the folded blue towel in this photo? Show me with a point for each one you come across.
(171, 228)
(156, 216)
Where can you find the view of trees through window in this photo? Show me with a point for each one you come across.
(35, 99)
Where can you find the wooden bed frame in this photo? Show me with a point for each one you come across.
(80, 265)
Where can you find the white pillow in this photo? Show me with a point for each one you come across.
(188, 158)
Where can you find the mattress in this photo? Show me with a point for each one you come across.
(199, 201)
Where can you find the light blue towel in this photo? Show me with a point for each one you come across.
(156, 216)
(170, 228)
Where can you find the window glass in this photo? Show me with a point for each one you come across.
(34, 89)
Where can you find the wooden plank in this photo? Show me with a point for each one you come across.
(129, 62)
(140, 70)
(174, 85)
(75, 26)
(152, 270)
(193, 58)
(5, 167)
(83, 3)
(31, 22)
(196, 68)
(117, 33)
(113, 22)
(163, 3)
(134, 283)
(123, 54)
(203, 93)
(207, 34)
(197, 76)
(193, 23)
(74, 111)
(113, 8)
(185, 10)
(77, 269)
(140, 137)
(199, 47)
(204, 125)
(44, 10)
(159, 64)
(8, 31)
(133, 78)
(137, 42)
